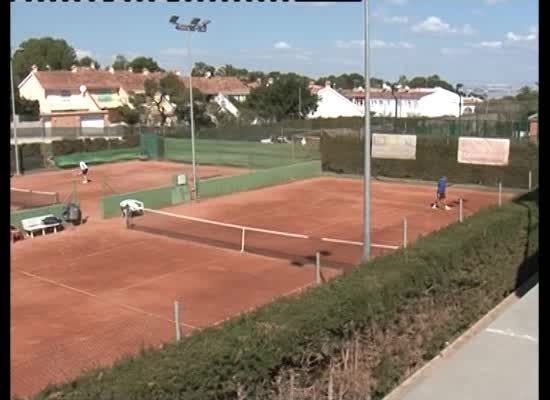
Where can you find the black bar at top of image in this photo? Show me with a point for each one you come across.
(328, 1)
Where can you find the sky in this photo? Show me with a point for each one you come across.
(474, 42)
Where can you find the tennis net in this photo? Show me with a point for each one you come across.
(298, 248)
(25, 198)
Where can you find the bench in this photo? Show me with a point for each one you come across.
(35, 224)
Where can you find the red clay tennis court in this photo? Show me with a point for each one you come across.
(86, 297)
(120, 177)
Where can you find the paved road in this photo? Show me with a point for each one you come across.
(500, 362)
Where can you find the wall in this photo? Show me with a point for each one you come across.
(56, 101)
(33, 90)
(333, 105)
(226, 104)
(440, 103)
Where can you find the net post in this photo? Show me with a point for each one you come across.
(460, 211)
(500, 193)
(177, 320)
(242, 239)
(318, 267)
(405, 229)
(127, 216)
(530, 180)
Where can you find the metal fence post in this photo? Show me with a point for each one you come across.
(530, 180)
(500, 194)
(405, 233)
(177, 320)
(318, 267)
(460, 214)
(242, 239)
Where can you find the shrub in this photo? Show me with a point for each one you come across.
(446, 281)
(435, 156)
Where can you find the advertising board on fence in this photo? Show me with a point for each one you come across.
(483, 151)
(391, 146)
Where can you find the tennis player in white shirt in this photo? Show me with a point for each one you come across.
(84, 171)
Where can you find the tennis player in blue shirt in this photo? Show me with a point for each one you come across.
(440, 195)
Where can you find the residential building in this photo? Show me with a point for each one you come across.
(332, 104)
(534, 127)
(421, 102)
(230, 87)
(86, 98)
(469, 104)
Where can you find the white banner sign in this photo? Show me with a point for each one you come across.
(391, 146)
(483, 151)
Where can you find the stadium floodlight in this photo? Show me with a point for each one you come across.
(367, 138)
(14, 115)
(193, 26)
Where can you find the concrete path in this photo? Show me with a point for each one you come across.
(499, 362)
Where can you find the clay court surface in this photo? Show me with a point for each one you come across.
(114, 178)
(87, 296)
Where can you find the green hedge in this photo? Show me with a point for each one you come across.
(98, 157)
(461, 272)
(258, 179)
(435, 156)
(70, 146)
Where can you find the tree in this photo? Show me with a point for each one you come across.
(402, 80)
(28, 110)
(43, 52)
(129, 115)
(200, 69)
(430, 82)
(376, 83)
(121, 63)
(138, 64)
(230, 70)
(87, 61)
(168, 97)
(253, 76)
(283, 99)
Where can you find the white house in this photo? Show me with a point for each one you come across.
(87, 98)
(332, 104)
(422, 102)
(226, 105)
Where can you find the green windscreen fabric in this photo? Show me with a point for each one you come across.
(152, 145)
(239, 153)
(97, 157)
(258, 179)
(152, 198)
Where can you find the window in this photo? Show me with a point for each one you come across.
(65, 95)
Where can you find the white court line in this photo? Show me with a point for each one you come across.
(99, 298)
(509, 333)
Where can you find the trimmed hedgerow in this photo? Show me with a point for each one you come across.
(70, 146)
(466, 268)
(435, 156)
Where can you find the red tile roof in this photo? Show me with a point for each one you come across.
(132, 82)
(228, 85)
(92, 79)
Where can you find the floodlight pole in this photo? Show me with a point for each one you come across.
(196, 25)
(191, 116)
(366, 137)
(14, 115)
